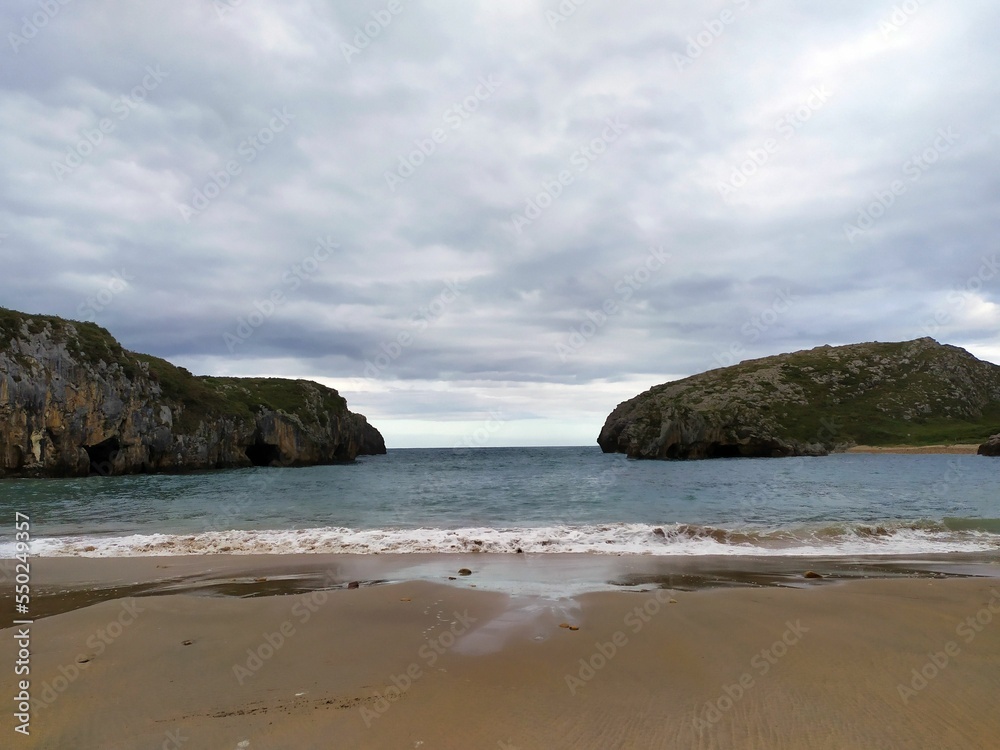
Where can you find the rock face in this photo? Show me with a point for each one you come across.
(73, 402)
(991, 447)
(813, 402)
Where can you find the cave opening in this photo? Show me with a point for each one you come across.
(723, 450)
(263, 454)
(102, 456)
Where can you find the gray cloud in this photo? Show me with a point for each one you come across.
(745, 139)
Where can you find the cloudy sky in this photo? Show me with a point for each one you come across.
(490, 222)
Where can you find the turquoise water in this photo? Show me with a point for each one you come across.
(534, 499)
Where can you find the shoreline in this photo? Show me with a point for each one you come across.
(422, 664)
(65, 584)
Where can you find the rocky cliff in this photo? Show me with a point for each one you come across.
(811, 402)
(73, 402)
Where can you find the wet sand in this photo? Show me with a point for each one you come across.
(222, 659)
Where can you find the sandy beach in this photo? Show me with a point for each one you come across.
(958, 449)
(903, 662)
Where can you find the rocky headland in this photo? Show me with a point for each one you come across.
(73, 402)
(813, 402)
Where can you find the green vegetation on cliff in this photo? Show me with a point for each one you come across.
(910, 393)
(69, 392)
(205, 397)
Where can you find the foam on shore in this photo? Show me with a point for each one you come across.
(910, 538)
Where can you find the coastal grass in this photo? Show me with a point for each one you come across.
(880, 394)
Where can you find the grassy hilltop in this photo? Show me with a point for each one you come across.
(908, 393)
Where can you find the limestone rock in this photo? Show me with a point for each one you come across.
(991, 447)
(73, 402)
(810, 403)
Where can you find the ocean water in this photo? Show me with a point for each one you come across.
(537, 500)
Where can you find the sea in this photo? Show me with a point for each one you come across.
(530, 500)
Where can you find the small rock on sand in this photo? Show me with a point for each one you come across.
(353, 585)
(464, 572)
(811, 574)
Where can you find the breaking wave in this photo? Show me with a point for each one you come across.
(920, 537)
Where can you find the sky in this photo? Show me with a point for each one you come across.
(488, 223)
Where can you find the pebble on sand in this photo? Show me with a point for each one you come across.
(353, 585)
(464, 572)
(811, 574)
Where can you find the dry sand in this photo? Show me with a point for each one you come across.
(814, 667)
